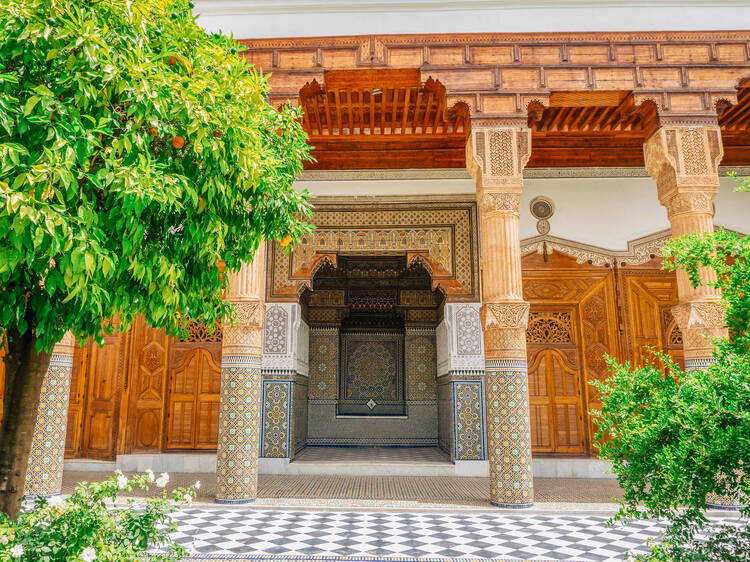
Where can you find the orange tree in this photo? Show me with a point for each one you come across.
(138, 157)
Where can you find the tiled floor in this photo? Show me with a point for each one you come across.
(394, 491)
(385, 455)
(382, 535)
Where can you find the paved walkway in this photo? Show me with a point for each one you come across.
(396, 492)
(488, 535)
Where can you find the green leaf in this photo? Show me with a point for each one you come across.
(30, 104)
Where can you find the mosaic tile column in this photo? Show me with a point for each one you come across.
(241, 388)
(683, 161)
(496, 157)
(45, 468)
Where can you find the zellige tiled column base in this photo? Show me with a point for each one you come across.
(239, 430)
(509, 434)
(45, 468)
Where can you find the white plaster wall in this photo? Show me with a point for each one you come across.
(604, 212)
(732, 207)
(308, 18)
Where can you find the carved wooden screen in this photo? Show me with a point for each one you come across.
(193, 407)
(555, 398)
(105, 366)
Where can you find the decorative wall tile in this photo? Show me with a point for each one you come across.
(275, 330)
(372, 368)
(421, 368)
(299, 408)
(45, 466)
(324, 363)
(468, 416)
(445, 415)
(511, 483)
(239, 429)
(277, 422)
(468, 331)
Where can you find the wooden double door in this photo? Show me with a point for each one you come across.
(579, 314)
(143, 391)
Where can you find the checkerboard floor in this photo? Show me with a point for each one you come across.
(262, 534)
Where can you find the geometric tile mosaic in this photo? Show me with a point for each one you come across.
(468, 418)
(239, 430)
(45, 466)
(508, 433)
(353, 535)
(276, 418)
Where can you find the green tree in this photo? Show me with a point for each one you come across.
(671, 434)
(138, 159)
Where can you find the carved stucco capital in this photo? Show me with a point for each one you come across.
(66, 346)
(244, 335)
(699, 322)
(505, 329)
(496, 156)
(684, 159)
(500, 201)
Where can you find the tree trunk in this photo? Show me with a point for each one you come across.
(25, 369)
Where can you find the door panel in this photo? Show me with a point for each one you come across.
(193, 408)
(73, 435)
(556, 406)
(102, 398)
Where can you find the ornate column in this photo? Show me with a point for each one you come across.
(684, 163)
(45, 469)
(239, 412)
(496, 157)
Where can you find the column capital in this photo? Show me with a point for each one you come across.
(66, 346)
(496, 157)
(683, 160)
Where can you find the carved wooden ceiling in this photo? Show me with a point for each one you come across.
(362, 119)
(390, 101)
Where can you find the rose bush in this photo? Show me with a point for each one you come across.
(91, 525)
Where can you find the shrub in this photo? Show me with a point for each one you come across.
(91, 524)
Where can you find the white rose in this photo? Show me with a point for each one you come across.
(16, 551)
(188, 499)
(122, 481)
(55, 501)
(150, 474)
(162, 480)
(3, 539)
(88, 554)
(198, 485)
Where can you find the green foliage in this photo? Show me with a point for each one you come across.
(673, 436)
(88, 525)
(137, 153)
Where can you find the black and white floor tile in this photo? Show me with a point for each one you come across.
(274, 534)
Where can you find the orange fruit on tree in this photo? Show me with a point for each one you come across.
(178, 142)
(286, 240)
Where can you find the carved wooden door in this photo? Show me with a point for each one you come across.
(102, 398)
(193, 408)
(649, 298)
(148, 388)
(555, 403)
(78, 379)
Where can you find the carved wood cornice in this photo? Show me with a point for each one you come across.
(640, 250)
